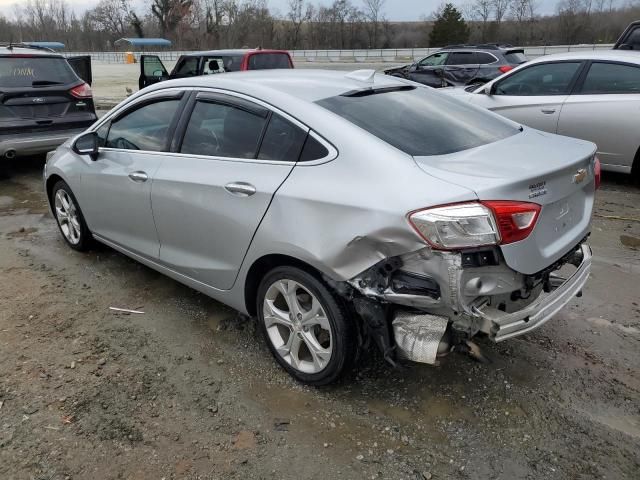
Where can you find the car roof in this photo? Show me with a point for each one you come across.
(239, 51)
(26, 50)
(308, 85)
(629, 56)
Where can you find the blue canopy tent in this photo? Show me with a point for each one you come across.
(141, 43)
(51, 45)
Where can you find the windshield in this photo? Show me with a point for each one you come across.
(419, 121)
(30, 71)
(516, 58)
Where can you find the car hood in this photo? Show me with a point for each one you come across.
(531, 166)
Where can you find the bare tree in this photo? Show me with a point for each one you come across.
(169, 13)
(373, 11)
(481, 11)
(298, 14)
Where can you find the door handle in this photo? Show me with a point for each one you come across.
(139, 177)
(548, 111)
(240, 189)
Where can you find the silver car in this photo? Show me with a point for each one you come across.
(594, 96)
(338, 209)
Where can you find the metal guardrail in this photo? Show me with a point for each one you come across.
(351, 56)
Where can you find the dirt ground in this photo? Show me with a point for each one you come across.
(188, 390)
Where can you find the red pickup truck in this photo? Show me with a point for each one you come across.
(152, 70)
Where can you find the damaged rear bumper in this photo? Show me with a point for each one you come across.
(509, 325)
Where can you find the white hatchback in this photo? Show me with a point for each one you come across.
(594, 96)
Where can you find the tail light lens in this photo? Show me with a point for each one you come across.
(597, 172)
(81, 91)
(515, 220)
(474, 224)
(505, 68)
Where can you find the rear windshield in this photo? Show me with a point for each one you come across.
(266, 61)
(35, 71)
(419, 121)
(517, 57)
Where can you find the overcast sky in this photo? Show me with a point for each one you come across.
(394, 9)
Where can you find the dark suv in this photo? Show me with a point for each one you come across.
(43, 99)
(457, 65)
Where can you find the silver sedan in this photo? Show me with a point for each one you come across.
(594, 96)
(337, 209)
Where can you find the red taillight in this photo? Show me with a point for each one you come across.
(515, 220)
(505, 68)
(81, 91)
(597, 173)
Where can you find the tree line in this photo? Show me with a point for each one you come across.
(343, 24)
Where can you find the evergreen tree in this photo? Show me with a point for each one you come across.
(448, 28)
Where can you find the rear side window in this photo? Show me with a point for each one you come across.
(516, 57)
(420, 121)
(484, 58)
(222, 130)
(611, 78)
(462, 58)
(282, 141)
(35, 71)
(266, 61)
(146, 128)
(313, 150)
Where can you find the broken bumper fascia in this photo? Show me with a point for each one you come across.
(509, 325)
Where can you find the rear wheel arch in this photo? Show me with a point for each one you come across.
(262, 267)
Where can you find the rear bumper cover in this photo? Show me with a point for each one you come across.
(34, 143)
(509, 325)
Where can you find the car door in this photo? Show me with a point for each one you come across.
(116, 187)
(210, 196)
(82, 66)
(605, 109)
(429, 70)
(461, 67)
(152, 70)
(532, 95)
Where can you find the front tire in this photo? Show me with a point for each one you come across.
(306, 326)
(69, 217)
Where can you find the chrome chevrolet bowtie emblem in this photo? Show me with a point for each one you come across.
(580, 176)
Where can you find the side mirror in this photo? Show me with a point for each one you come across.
(87, 144)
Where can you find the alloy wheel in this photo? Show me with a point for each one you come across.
(67, 216)
(298, 326)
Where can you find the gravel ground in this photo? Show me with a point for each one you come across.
(188, 390)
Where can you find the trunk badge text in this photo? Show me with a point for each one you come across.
(580, 176)
(38, 100)
(537, 189)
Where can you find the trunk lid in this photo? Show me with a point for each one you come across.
(553, 171)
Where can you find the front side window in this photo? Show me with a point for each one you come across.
(222, 130)
(462, 58)
(420, 121)
(145, 128)
(434, 60)
(542, 79)
(266, 61)
(188, 67)
(611, 78)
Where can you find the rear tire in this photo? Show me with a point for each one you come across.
(306, 326)
(69, 217)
